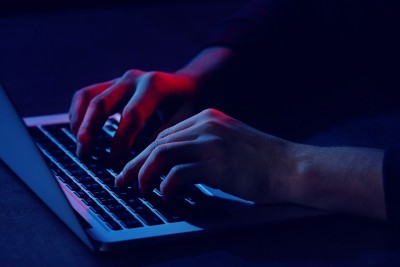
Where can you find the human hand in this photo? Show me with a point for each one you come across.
(140, 94)
(214, 149)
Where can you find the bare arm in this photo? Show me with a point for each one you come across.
(208, 62)
(343, 179)
(217, 150)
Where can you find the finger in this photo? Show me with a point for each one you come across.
(195, 119)
(140, 107)
(80, 103)
(163, 159)
(131, 170)
(184, 112)
(99, 109)
(181, 176)
(188, 134)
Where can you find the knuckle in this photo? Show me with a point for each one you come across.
(211, 113)
(155, 80)
(153, 76)
(81, 94)
(132, 114)
(98, 103)
(130, 77)
(131, 74)
(176, 171)
(212, 124)
(163, 133)
(128, 73)
(161, 149)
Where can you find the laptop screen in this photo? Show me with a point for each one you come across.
(20, 153)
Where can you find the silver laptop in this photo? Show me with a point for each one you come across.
(41, 152)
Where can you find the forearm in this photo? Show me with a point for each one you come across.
(207, 63)
(342, 179)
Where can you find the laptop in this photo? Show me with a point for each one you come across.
(41, 152)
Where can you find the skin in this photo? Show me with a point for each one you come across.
(215, 149)
(140, 94)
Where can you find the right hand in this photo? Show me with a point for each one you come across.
(217, 150)
(139, 94)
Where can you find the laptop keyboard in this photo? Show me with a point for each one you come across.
(92, 181)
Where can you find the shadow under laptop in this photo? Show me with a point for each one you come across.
(320, 241)
(32, 235)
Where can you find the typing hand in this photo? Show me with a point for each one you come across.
(216, 150)
(139, 94)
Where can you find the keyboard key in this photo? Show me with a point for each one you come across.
(72, 186)
(131, 223)
(122, 214)
(132, 210)
(149, 217)
(96, 208)
(111, 128)
(110, 221)
(38, 135)
(106, 199)
(80, 193)
(114, 206)
(101, 193)
(83, 178)
(114, 122)
(89, 201)
(104, 140)
(170, 214)
(135, 204)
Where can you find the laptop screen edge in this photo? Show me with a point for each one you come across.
(20, 153)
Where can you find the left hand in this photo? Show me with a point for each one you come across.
(217, 150)
(139, 94)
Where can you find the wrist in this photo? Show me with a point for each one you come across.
(295, 183)
(341, 179)
(206, 64)
(284, 168)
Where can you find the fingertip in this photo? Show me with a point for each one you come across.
(144, 188)
(81, 150)
(166, 199)
(165, 192)
(119, 180)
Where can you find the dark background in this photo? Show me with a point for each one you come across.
(49, 50)
(59, 47)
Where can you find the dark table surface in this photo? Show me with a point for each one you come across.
(45, 57)
(31, 235)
